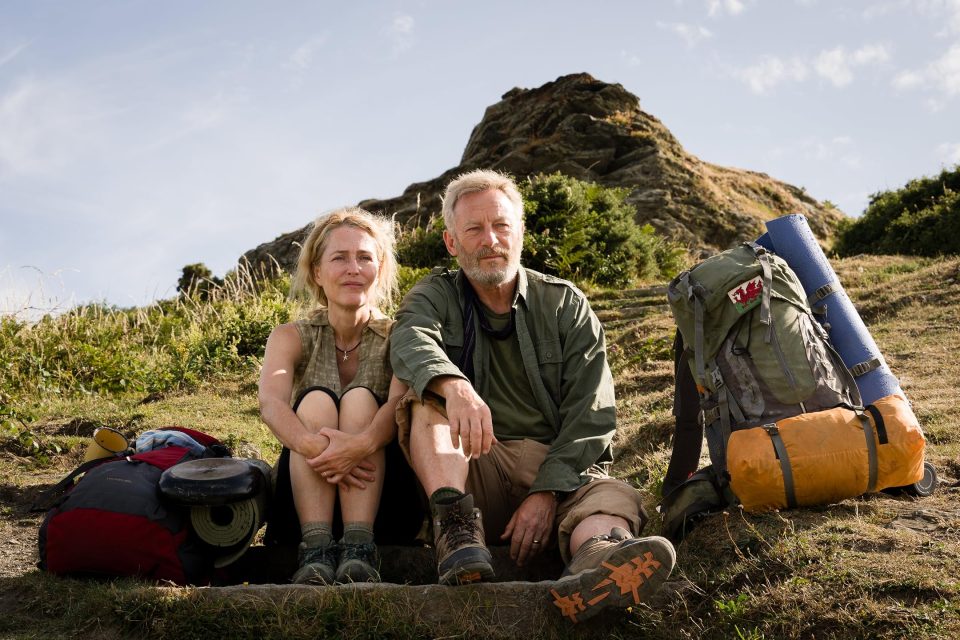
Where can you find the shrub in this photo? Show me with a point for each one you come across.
(922, 218)
(586, 232)
(197, 280)
(422, 247)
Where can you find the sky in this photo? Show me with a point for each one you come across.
(140, 136)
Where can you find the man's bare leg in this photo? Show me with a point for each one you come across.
(462, 556)
(435, 460)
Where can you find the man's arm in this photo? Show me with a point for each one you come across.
(419, 358)
(471, 423)
(417, 350)
(587, 402)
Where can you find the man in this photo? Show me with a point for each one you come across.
(510, 414)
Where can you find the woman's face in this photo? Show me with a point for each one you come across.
(348, 268)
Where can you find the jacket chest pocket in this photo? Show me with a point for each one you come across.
(550, 361)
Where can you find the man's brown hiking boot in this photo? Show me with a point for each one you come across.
(462, 556)
(612, 571)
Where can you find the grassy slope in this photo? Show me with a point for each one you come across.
(873, 567)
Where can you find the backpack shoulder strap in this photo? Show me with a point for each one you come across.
(48, 499)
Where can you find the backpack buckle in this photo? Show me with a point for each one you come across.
(716, 378)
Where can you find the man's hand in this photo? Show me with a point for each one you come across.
(343, 461)
(471, 424)
(530, 527)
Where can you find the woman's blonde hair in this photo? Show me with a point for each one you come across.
(377, 227)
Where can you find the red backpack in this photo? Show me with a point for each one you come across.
(113, 522)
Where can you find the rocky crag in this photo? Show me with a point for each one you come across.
(595, 131)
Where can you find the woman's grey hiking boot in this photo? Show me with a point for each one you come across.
(318, 564)
(359, 560)
(612, 571)
(462, 556)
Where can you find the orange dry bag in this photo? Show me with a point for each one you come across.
(826, 456)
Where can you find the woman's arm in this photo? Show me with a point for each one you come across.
(346, 451)
(280, 360)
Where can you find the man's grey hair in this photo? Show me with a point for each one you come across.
(475, 182)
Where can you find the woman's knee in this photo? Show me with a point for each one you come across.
(357, 408)
(318, 409)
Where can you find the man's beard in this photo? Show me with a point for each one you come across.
(470, 263)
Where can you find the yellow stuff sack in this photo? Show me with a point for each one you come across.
(826, 456)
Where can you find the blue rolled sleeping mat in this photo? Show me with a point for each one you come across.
(790, 238)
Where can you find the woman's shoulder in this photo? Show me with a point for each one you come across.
(285, 338)
(380, 323)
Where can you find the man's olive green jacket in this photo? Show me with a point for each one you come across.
(563, 351)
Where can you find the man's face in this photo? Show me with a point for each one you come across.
(487, 237)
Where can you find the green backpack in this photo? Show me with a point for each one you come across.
(758, 354)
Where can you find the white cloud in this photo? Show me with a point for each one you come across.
(942, 76)
(718, 7)
(44, 125)
(302, 57)
(945, 72)
(947, 12)
(870, 54)
(12, 53)
(838, 150)
(692, 34)
(632, 59)
(906, 80)
(949, 152)
(401, 31)
(771, 71)
(836, 65)
(202, 115)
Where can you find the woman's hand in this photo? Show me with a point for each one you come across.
(312, 445)
(343, 461)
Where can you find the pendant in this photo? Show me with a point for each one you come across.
(345, 356)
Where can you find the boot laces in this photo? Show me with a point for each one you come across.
(327, 555)
(458, 528)
(364, 551)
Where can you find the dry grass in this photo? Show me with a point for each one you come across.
(874, 567)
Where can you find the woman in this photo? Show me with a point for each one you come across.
(335, 368)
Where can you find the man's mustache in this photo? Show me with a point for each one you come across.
(486, 252)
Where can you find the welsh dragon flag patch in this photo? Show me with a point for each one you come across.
(746, 295)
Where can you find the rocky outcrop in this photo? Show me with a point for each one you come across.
(595, 131)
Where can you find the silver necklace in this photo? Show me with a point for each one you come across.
(346, 353)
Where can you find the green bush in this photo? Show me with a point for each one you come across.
(422, 247)
(586, 232)
(922, 218)
(197, 280)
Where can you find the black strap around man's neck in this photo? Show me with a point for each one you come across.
(471, 308)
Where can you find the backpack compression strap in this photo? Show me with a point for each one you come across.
(781, 452)
(764, 259)
(868, 434)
